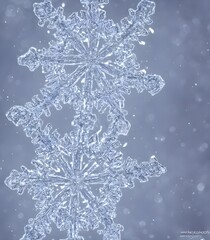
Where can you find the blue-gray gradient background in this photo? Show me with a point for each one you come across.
(174, 125)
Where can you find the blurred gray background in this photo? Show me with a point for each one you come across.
(174, 125)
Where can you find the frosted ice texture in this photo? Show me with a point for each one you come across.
(77, 178)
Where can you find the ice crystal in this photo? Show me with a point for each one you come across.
(77, 178)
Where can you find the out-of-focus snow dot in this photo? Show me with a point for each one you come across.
(172, 129)
(199, 214)
(142, 224)
(194, 130)
(10, 11)
(63, 5)
(126, 211)
(158, 198)
(172, 214)
(48, 31)
(150, 117)
(10, 78)
(20, 215)
(177, 41)
(203, 147)
(200, 187)
(23, 44)
(183, 145)
(196, 21)
(185, 30)
(151, 236)
(19, 147)
(168, 237)
(25, 3)
(160, 139)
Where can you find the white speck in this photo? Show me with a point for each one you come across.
(142, 43)
(151, 30)
(143, 71)
(125, 144)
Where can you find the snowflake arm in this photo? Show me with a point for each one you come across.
(50, 59)
(132, 28)
(65, 28)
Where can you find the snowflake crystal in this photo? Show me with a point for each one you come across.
(77, 178)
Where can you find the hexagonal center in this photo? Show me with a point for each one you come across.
(92, 60)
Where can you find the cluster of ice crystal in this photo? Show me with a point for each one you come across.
(77, 178)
